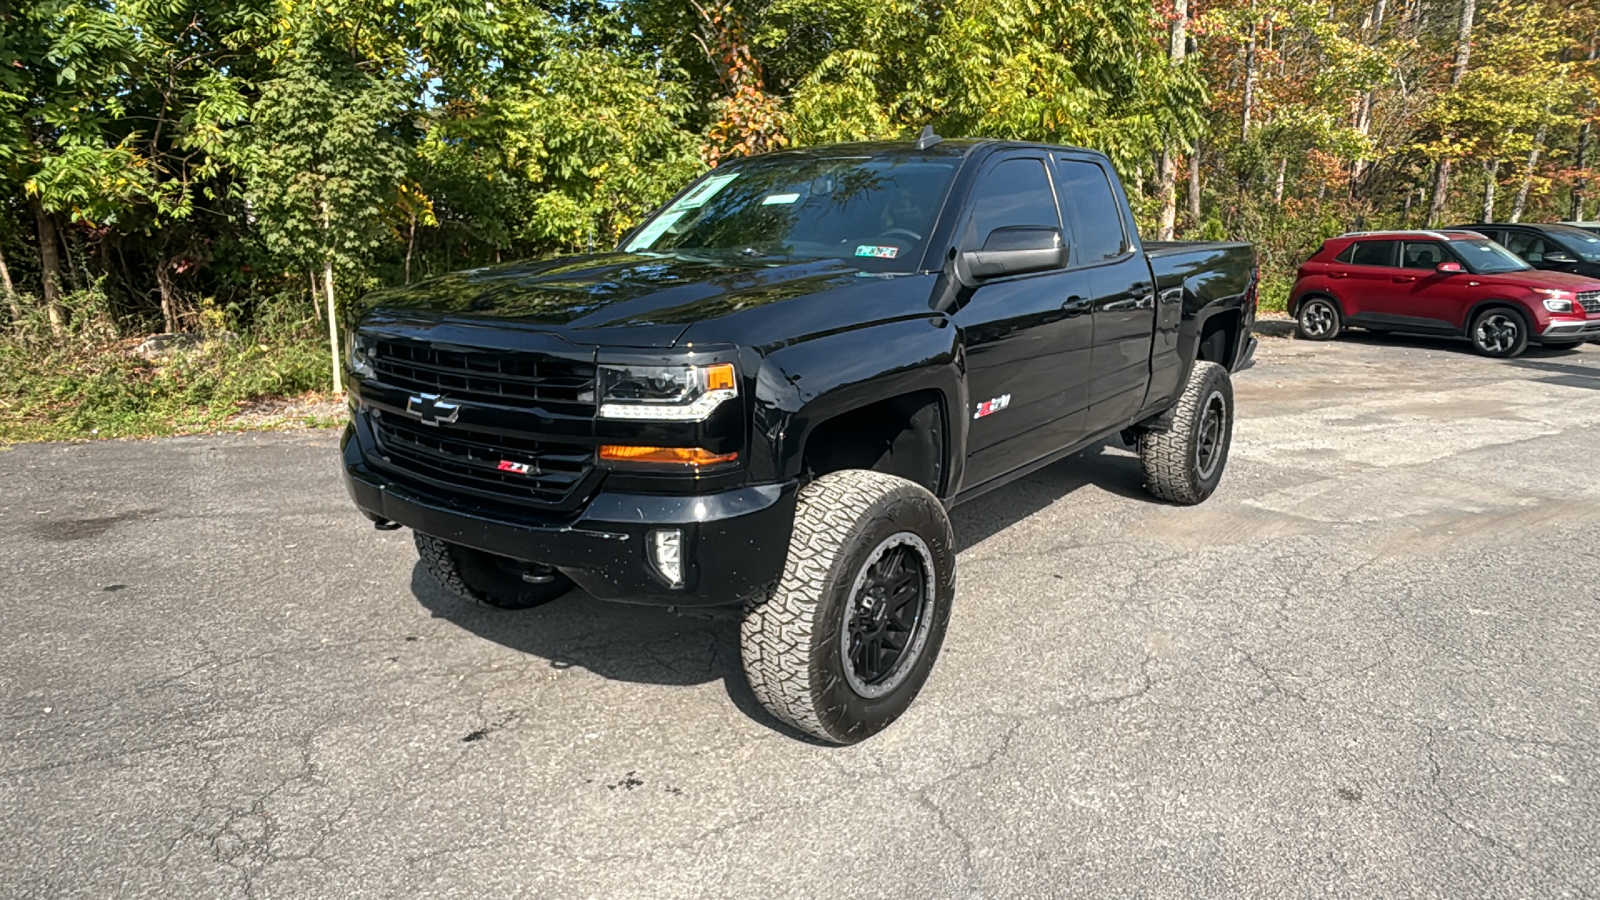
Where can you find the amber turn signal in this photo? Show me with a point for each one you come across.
(719, 377)
(672, 456)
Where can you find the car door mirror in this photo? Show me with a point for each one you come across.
(1560, 258)
(1013, 250)
(1448, 267)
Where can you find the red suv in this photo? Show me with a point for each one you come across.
(1442, 282)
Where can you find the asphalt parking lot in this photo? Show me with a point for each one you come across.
(1369, 666)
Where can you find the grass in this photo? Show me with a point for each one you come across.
(77, 390)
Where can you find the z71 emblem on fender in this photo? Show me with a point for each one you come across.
(432, 410)
(990, 407)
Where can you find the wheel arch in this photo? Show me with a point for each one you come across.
(1481, 306)
(906, 435)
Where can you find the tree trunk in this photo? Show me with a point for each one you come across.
(1167, 168)
(316, 292)
(333, 308)
(49, 266)
(1441, 192)
(333, 325)
(169, 309)
(1521, 202)
(411, 242)
(1581, 159)
(1277, 187)
(1491, 180)
(1249, 77)
(1194, 186)
(1441, 174)
(11, 292)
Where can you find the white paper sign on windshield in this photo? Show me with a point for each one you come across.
(687, 203)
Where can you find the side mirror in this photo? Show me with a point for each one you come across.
(1013, 250)
(1448, 268)
(1560, 258)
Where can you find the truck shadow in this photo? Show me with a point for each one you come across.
(649, 645)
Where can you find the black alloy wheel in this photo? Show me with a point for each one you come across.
(886, 621)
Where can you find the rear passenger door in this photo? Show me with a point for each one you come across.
(1124, 296)
(1364, 282)
(1027, 337)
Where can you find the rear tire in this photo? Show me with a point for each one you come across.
(1184, 463)
(490, 580)
(1318, 319)
(843, 643)
(1499, 332)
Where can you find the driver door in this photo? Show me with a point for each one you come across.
(1027, 337)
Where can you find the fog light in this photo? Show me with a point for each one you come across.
(666, 551)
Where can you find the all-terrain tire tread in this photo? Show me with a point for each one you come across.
(776, 633)
(1166, 455)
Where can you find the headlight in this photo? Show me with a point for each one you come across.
(668, 393)
(1557, 300)
(356, 348)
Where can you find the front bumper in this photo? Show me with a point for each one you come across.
(734, 542)
(1571, 330)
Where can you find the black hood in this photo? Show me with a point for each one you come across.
(623, 299)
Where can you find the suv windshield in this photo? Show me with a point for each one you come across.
(1583, 244)
(875, 212)
(1484, 257)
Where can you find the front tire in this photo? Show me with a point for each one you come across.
(489, 580)
(1318, 319)
(1498, 333)
(1184, 463)
(842, 644)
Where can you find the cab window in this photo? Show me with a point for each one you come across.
(1014, 192)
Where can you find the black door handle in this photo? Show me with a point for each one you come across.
(1075, 305)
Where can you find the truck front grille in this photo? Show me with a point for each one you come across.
(481, 464)
(1591, 303)
(521, 381)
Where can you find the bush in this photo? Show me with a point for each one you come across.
(88, 384)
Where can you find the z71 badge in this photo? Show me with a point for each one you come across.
(518, 468)
(990, 407)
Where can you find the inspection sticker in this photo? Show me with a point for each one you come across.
(779, 199)
(877, 252)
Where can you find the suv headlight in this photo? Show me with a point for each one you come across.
(1557, 300)
(665, 393)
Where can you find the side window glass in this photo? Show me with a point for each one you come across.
(1347, 253)
(1015, 192)
(1529, 247)
(1374, 253)
(1096, 216)
(1422, 255)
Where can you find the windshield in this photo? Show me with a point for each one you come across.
(1582, 244)
(1485, 257)
(875, 212)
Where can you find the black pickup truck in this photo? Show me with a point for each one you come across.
(771, 393)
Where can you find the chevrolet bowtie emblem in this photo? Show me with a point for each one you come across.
(432, 410)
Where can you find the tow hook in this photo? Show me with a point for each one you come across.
(539, 575)
(385, 524)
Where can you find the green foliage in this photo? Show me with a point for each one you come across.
(195, 162)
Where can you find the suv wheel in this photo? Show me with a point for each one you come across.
(1499, 332)
(845, 640)
(1318, 319)
(1184, 463)
(490, 580)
